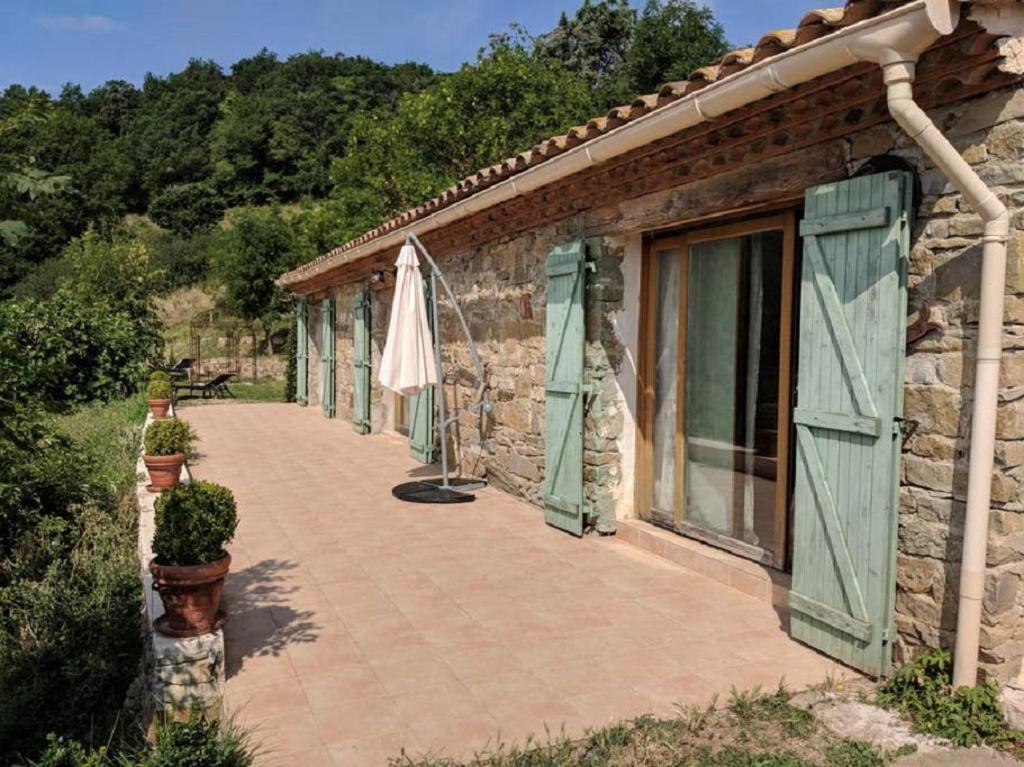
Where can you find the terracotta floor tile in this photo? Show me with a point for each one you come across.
(480, 662)
(405, 676)
(375, 751)
(354, 681)
(360, 624)
(357, 720)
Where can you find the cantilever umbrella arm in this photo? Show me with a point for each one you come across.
(481, 404)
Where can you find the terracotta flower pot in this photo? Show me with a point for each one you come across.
(164, 471)
(159, 407)
(191, 597)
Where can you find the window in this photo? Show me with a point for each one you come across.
(717, 399)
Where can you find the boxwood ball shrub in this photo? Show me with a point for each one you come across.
(159, 389)
(168, 437)
(193, 524)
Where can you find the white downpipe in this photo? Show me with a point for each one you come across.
(920, 128)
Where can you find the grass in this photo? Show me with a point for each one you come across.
(753, 730)
(260, 390)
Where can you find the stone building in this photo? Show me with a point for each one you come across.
(780, 288)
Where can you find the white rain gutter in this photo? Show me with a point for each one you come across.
(894, 41)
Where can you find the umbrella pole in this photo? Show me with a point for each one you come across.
(440, 379)
(430, 491)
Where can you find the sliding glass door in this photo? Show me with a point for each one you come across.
(718, 410)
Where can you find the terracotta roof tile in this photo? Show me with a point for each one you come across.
(814, 24)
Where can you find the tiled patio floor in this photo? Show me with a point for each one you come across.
(360, 625)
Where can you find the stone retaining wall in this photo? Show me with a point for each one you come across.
(179, 672)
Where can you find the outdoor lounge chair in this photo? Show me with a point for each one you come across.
(215, 387)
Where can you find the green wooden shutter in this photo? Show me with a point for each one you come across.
(361, 364)
(848, 408)
(302, 352)
(421, 408)
(564, 388)
(327, 358)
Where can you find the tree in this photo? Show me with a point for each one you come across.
(502, 104)
(282, 122)
(593, 44)
(114, 105)
(672, 38)
(171, 130)
(248, 258)
(186, 209)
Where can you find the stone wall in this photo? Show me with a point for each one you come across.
(313, 325)
(943, 286)
(502, 292)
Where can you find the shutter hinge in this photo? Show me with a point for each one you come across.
(903, 428)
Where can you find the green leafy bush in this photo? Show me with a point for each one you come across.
(168, 437)
(193, 523)
(65, 752)
(187, 208)
(199, 742)
(160, 375)
(159, 389)
(968, 716)
(70, 640)
(89, 339)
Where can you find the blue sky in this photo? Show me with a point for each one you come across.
(48, 43)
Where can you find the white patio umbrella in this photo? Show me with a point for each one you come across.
(408, 364)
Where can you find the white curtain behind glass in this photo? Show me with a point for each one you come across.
(666, 350)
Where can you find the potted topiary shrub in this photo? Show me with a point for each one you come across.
(193, 524)
(165, 445)
(158, 394)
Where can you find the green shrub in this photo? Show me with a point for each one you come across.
(62, 752)
(90, 338)
(187, 208)
(160, 375)
(158, 389)
(193, 523)
(968, 716)
(70, 632)
(195, 742)
(199, 742)
(168, 437)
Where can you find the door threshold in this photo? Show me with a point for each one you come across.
(744, 575)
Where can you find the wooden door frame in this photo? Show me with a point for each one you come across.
(656, 243)
(401, 407)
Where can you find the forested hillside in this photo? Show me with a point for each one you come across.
(327, 144)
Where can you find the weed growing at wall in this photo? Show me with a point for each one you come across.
(968, 716)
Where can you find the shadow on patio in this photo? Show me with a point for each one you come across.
(360, 625)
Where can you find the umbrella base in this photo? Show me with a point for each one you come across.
(432, 490)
